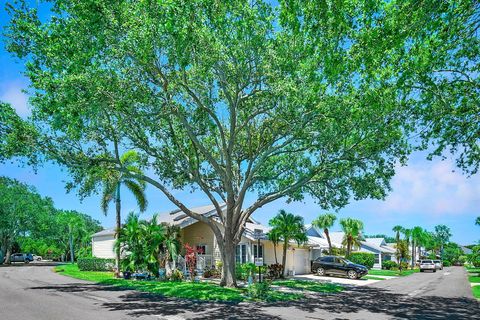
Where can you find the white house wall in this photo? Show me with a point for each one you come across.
(103, 247)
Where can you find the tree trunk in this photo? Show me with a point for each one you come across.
(72, 256)
(7, 255)
(413, 254)
(118, 227)
(329, 242)
(284, 257)
(275, 252)
(227, 248)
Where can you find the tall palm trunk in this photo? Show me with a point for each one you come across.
(284, 258)
(413, 253)
(275, 251)
(328, 240)
(117, 230)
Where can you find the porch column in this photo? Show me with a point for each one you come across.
(380, 259)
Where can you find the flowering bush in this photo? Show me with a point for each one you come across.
(191, 260)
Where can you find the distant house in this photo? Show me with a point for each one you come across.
(466, 250)
(199, 235)
(377, 246)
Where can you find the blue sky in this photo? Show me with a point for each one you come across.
(425, 193)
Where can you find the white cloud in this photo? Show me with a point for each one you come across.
(12, 93)
(432, 188)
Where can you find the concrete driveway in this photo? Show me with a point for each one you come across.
(339, 280)
(37, 293)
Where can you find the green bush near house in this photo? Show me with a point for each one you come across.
(95, 264)
(364, 258)
(259, 290)
(389, 265)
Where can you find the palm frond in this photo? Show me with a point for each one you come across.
(138, 192)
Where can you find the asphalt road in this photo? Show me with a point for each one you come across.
(35, 292)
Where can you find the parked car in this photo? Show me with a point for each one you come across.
(37, 258)
(21, 257)
(438, 264)
(338, 266)
(427, 265)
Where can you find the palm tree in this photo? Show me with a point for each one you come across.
(274, 236)
(289, 227)
(407, 234)
(325, 222)
(443, 234)
(170, 247)
(417, 234)
(131, 242)
(352, 229)
(402, 253)
(477, 221)
(397, 229)
(112, 183)
(153, 237)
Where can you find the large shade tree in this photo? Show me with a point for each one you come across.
(229, 98)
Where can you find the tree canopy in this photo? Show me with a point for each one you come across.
(231, 98)
(31, 222)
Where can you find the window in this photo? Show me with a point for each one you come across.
(327, 259)
(256, 253)
(201, 249)
(241, 253)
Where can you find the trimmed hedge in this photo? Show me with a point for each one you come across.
(364, 258)
(95, 264)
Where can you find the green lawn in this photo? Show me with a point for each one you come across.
(309, 285)
(185, 289)
(473, 270)
(476, 291)
(474, 279)
(391, 273)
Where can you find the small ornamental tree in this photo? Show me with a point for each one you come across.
(191, 260)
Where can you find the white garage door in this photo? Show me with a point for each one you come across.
(302, 261)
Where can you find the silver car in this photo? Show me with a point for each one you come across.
(427, 265)
(438, 264)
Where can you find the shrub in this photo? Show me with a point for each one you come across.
(274, 271)
(244, 270)
(259, 290)
(95, 264)
(403, 265)
(211, 272)
(389, 265)
(447, 263)
(176, 275)
(364, 258)
(191, 260)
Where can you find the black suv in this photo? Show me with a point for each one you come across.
(338, 266)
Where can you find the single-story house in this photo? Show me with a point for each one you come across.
(199, 235)
(377, 246)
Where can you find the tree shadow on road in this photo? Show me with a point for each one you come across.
(345, 305)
